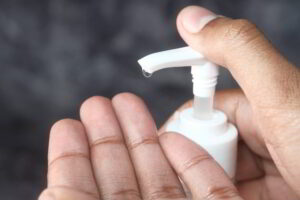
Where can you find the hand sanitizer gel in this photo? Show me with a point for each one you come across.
(202, 124)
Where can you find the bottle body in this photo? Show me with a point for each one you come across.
(218, 137)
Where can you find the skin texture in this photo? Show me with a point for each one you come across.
(116, 152)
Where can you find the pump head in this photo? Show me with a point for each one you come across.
(204, 74)
(203, 71)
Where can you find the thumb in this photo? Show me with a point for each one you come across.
(263, 74)
(269, 81)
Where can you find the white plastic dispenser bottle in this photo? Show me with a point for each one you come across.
(205, 126)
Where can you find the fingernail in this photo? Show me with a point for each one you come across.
(195, 18)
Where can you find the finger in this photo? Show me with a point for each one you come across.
(69, 160)
(265, 76)
(249, 165)
(156, 178)
(202, 175)
(252, 148)
(111, 162)
(235, 105)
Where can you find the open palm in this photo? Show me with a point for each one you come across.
(116, 153)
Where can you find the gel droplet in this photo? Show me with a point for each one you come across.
(147, 74)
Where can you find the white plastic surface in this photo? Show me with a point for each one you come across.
(218, 137)
(204, 72)
(203, 107)
(205, 79)
(181, 57)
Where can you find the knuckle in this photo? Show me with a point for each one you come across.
(131, 145)
(107, 140)
(67, 155)
(166, 192)
(222, 193)
(194, 161)
(240, 31)
(129, 193)
(280, 141)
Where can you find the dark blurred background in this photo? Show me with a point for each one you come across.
(56, 53)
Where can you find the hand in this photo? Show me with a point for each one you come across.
(115, 153)
(267, 109)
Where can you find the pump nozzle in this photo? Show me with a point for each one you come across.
(171, 58)
(204, 74)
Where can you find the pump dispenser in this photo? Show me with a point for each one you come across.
(207, 127)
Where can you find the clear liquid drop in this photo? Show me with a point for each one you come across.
(147, 74)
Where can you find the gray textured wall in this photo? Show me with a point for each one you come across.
(56, 53)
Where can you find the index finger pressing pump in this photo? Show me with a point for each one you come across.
(202, 124)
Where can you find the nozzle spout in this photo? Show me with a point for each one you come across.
(181, 57)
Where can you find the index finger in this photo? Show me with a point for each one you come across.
(235, 105)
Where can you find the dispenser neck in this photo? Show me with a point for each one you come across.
(205, 78)
(204, 85)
